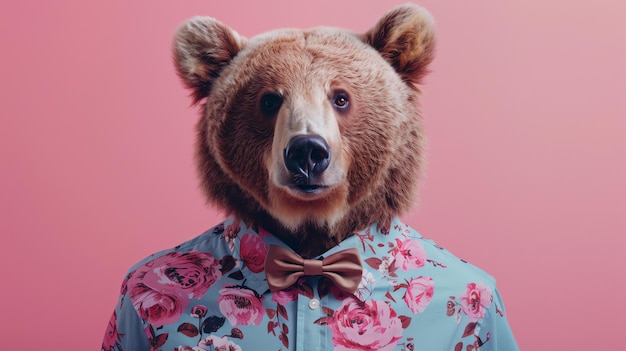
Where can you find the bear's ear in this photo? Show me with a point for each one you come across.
(203, 46)
(405, 37)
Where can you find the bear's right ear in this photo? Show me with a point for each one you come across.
(405, 37)
(203, 46)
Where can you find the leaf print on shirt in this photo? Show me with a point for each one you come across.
(366, 239)
(277, 324)
(478, 342)
(204, 326)
(155, 340)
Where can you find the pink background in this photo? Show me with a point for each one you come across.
(525, 110)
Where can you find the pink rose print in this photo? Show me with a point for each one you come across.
(188, 348)
(160, 289)
(199, 311)
(365, 326)
(419, 293)
(253, 251)
(191, 273)
(283, 297)
(241, 306)
(155, 307)
(111, 337)
(409, 254)
(218, 344)
(474, 300)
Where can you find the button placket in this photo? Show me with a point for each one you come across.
(314, 304)
(311, 335)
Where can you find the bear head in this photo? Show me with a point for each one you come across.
(311, 134)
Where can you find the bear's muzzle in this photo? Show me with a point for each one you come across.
(306, 157)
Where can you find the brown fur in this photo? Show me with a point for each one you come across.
(376, 144)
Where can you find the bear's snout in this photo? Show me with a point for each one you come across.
(307, 157)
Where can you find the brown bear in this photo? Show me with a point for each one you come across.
(317, 95)
(312, 141)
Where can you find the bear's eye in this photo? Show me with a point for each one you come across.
(341, 101)
(270, 104)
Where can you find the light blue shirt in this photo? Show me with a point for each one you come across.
(210, 293)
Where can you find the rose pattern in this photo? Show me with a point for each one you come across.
(419, 293)
(161, 288)
(111, 336)
(365, 326)
(409, 254)
(190, 273)
(475, 300)
(193, 300)
(253, 251)
(199, 311)
(286, 296)
(241, 306)
(218, 344)
(156, 307)
(189, 348)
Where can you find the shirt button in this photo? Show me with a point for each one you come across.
(314, 304)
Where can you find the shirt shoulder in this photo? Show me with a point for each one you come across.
(216, 241)
(403, 250)
(439, 254)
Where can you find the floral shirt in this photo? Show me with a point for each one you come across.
(210, 293)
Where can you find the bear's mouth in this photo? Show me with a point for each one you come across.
(307, 192)
(309, 188)
(305, 184)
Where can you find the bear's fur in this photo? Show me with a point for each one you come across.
(354, 93)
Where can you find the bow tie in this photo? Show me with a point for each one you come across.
(283, 267)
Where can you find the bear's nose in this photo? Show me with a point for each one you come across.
(307, 155)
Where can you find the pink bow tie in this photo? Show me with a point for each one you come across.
(283, 267)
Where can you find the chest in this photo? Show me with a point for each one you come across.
(315, 315)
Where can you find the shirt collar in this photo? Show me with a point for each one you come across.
(257, 281)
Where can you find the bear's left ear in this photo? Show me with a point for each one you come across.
(405, 37)
(203, 46)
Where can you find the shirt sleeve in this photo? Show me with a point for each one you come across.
(501, 338)
(126, 330)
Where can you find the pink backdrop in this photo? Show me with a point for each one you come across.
(525, 111)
